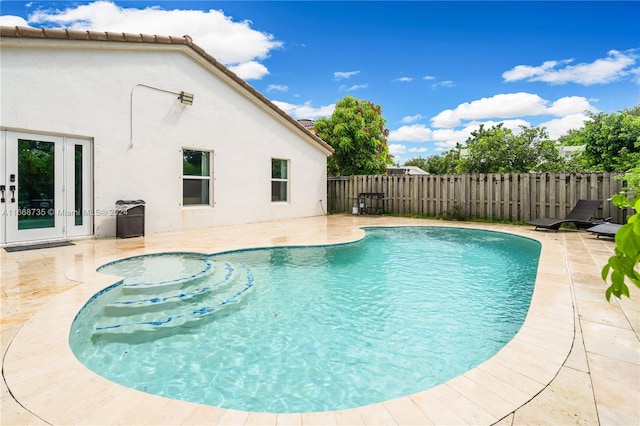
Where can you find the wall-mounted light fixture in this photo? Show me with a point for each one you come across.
(186, 98)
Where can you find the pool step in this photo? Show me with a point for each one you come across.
(230, 287)
(133, 285)
(136, 302)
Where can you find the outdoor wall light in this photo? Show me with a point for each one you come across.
(186, 98)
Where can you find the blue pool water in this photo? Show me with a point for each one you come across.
(310, 329)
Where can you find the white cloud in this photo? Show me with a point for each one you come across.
(446, 139)
(513, 125)
(499, 106)
(635, 73)
(344, 88)
(403, 80)
(511, 105)
(305, 110)
(251, 70)
(443, 146)
(339, 75)
(397, 150)
(428, 77)
(570, 105)
(523, 72)
(401, 153)
(561, 126)
(615, 66)
(446, 83)
(13, 21)
(277, 87)
(234, 44)
(411, 118)
(412, 133)
(417, 150)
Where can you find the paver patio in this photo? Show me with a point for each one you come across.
(575, 361)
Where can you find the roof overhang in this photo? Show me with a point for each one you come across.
(35, 37)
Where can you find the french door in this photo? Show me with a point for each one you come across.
(46, 187)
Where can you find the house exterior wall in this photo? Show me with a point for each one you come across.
(72, 88)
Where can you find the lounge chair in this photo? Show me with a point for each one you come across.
(581, 216)
(605, 230)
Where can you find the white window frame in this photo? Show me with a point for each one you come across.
(209, 177)
(286, 180)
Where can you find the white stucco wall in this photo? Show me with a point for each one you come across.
(66, 87)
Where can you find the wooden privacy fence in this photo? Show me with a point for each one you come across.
(500, 196)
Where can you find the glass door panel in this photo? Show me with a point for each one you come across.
(34, 180)
(78, 213)
(36, 184)
(77, 190)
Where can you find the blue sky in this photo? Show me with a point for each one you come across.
(437, 69)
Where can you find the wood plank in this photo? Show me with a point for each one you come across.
(562, 192)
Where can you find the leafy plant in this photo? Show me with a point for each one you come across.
(356, 131)
(623, 265)
(613, 140)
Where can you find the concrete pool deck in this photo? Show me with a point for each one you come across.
(576, 359)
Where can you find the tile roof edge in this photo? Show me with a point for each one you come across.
(90, 35)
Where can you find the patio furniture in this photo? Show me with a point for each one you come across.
(605, 230)
(581, 216)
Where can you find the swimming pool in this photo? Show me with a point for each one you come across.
(314, 328)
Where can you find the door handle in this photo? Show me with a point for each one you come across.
(2, 189)
(12, 188)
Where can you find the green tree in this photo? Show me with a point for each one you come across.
(534, 151)
(418, 162)
(612, 141)
(499, 150)
(438, 164)
(635, 111)
(448, 161)
(624, 264)
(486, 150)
(574, 137)
(576, 163)
(356, 131)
